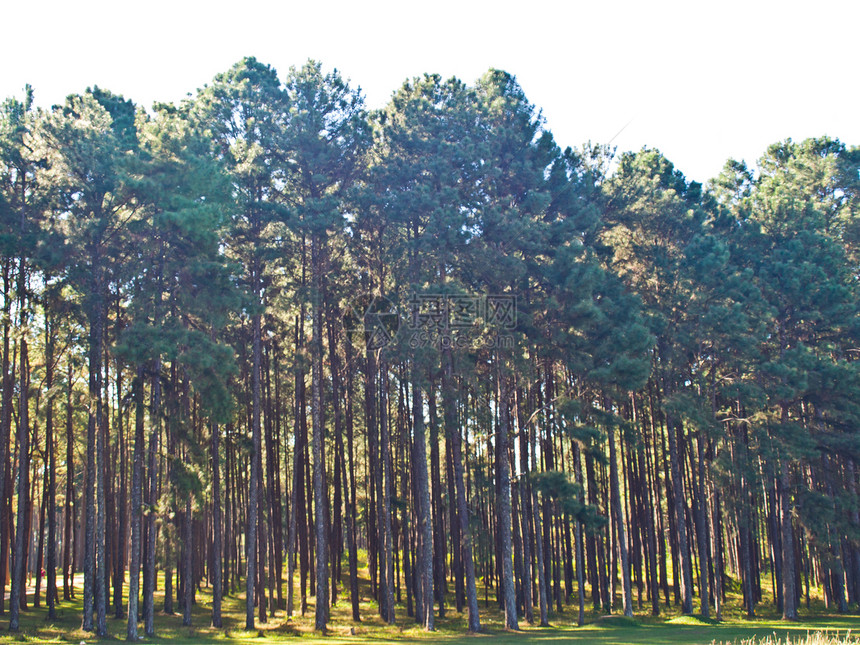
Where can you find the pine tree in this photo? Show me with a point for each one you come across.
(243, 110)
(326, 135)
(86, 156)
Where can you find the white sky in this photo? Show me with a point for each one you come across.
(700, 81)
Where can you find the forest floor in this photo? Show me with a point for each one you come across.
(669, 628)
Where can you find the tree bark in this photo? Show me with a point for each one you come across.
(680, 522)
(543, 595)
(702, 528)
(504, 473)
(320, 495)
(217, 588)
(68, 572)
(136, 509)
(51, 567)
(5, 423)
(92, 597)
(789, 593)
(385, 481)
(452, 433)
(23, 488)
(439, 538)
(102, 455)
(152, 488)
(351, 487)
(254, 480)
(525, 512)
(121, 509)
(187, 561)
(580, 564)
(425, 528)
(620, 532)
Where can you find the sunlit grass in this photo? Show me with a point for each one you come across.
(669, 628)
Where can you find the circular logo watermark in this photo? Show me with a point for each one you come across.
(377, 321)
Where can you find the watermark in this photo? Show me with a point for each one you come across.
(377, 321)
(436, 320)
(459, 340)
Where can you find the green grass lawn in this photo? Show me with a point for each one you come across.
(599, 630)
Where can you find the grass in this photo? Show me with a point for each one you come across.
(818, 626)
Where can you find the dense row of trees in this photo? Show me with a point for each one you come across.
(247, 336)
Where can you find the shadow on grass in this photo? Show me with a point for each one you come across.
(600, 629)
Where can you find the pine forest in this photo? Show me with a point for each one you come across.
(268, 344)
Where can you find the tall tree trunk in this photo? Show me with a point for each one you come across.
(187, 540)
(702, 528)
(121, 523)
(273, 497)
(680, 521)
(217, 588)
(68, 557)
(343, 488)
(452, 433)
(228, 550)
(385, 480)
(543, 589)
(262, 538)
(280, 491)
(789, 592)
(504, 474)
(425, 528)
(294, 497)
(254, 480)
(320, 496)
(5, 423)
(23, 488)
(526, 510)
(719, 564)
(93, 423)
(102, 456)
(376, 556)
(296, 532)
(742, 521)
(152, 496)
(52, 470)
(651, 536)
(351, 487)
(170, 526)
(303, 482)
(439, 537)
(136, 508)
(188, 558)
(371, 448)
(580, 565)
(618, 515)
